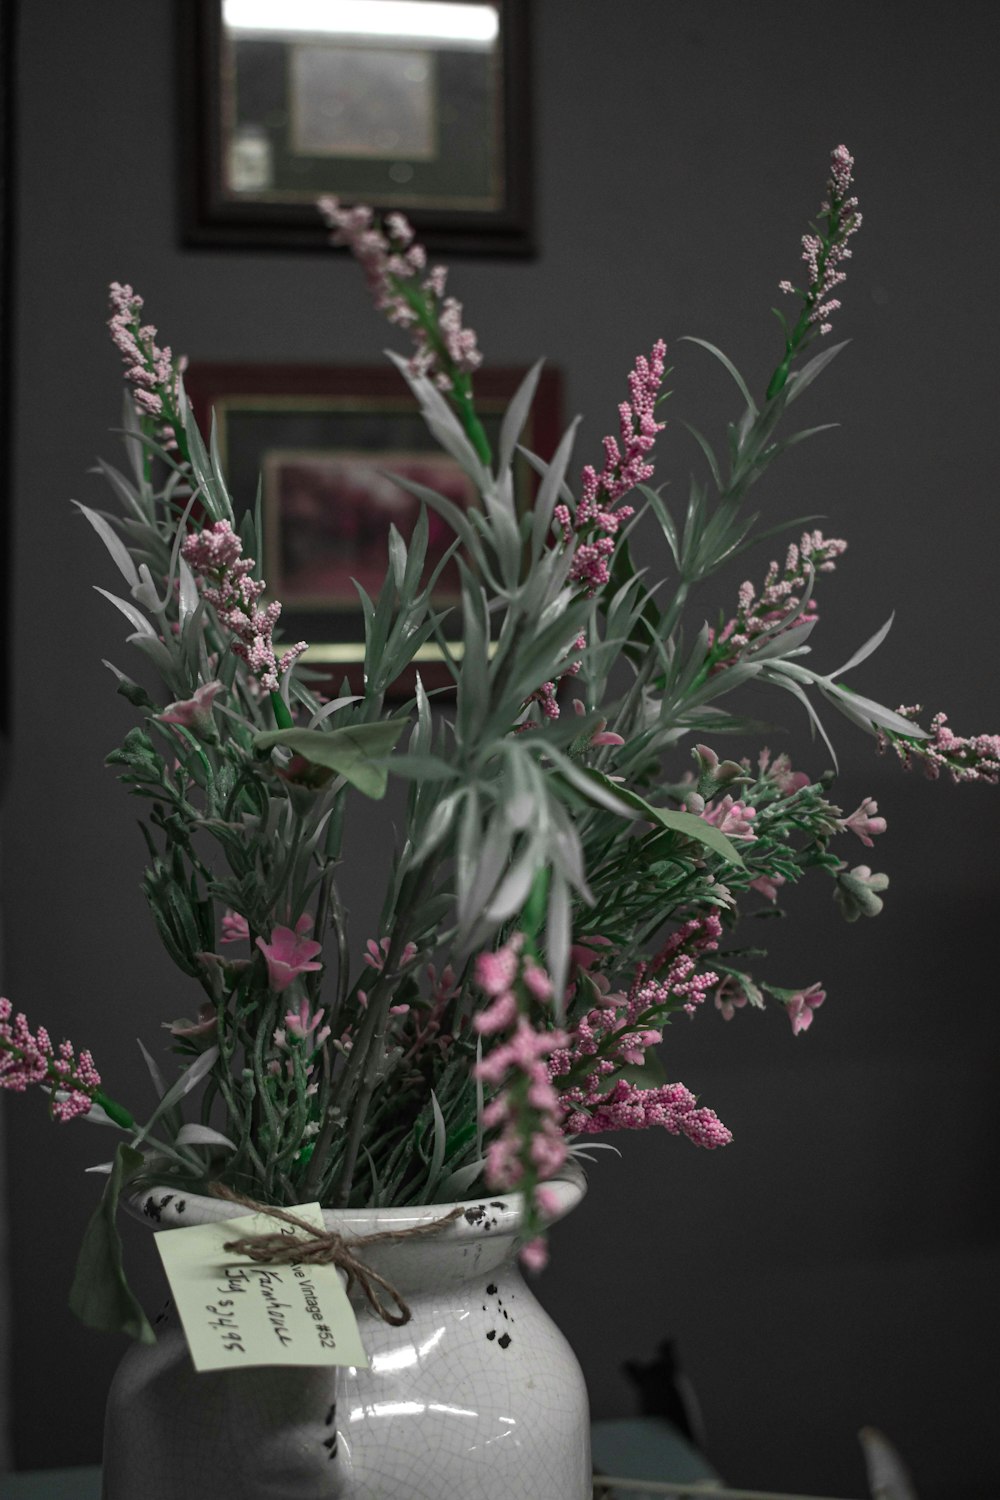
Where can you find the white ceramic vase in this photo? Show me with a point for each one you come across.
(478, 1397)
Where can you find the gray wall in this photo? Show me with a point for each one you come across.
(833, 1266)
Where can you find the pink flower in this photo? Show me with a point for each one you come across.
(235, 928)
(379, 952)
(195, 712)
(729, 997)
(535, 1255)
(300, 1024)
(602, 735)
(206, 1025)
(864, 823)
(289, 954)
(731, 818)
(767, 885)
(801, 1006)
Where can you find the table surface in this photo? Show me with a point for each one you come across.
(52, 1484)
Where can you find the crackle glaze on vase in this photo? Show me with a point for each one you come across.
(478, 1397)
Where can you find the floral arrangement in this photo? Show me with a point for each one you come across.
(567, 879)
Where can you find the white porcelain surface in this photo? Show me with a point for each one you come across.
(478, 1397)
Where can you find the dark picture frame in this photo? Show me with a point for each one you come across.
(322, 442)
(9, 19)
(271, 120)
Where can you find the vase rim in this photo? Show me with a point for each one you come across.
(166, 1207)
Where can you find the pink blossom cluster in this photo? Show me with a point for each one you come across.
(598, 516)
(620, 1029)
(526, 1108)
(781, 593)
(626, 464)
(393, 265)
(824, 255)
(150, 369)
(670, 1105)
(966, 758)
(215, 554)
(27, 1058)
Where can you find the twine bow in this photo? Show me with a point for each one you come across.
(325, 1247)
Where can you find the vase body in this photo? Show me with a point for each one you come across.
(478, 1397)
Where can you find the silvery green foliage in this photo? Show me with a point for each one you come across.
(496, 813)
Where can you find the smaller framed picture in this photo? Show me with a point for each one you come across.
(324, 443)
(421, 106)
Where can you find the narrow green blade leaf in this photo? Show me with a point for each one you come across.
(724, 359)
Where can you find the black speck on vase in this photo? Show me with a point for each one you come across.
(504, 1340)
(492, 1334)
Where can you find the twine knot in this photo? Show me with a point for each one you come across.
(325, 1247)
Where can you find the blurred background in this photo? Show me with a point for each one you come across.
(837, 1264)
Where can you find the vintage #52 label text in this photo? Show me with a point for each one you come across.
(237, 1313)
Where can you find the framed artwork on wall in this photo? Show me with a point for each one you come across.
(8, 86)
(323, 443)
(422, 106)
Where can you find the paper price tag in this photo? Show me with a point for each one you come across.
(237, 1313)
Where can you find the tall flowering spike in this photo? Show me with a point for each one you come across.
(598, 516)
(964, 757)
(413, 297)
(824, 251)
(27, 1058)
(215, 554)
(153, 372)
(780, 596)
(524, 1111)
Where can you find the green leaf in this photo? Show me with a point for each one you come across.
(536, 905)
(354, 752)
(678, 822)
(799, 380)
(516, 415)
(722, 358)
(706, 448)
(100, 1296)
